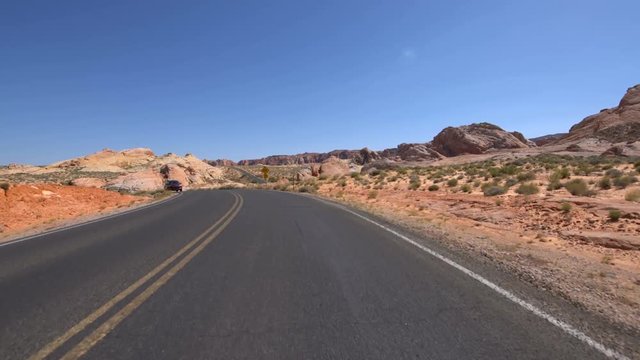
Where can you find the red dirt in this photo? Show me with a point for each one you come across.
(29, 207)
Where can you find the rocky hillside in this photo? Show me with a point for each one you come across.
(304, 158)
(130, 170)
(618, 124)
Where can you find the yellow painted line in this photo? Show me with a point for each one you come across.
(55, 344)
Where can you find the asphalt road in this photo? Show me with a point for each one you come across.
(253, 275)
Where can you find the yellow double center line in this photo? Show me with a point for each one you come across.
(98, 334)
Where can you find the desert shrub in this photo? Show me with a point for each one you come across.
(527, 176)
(528, 189)
(452, 182)
(554, 185)
(402, 171)
(614, 173)
(307, 189)
(465, 188)
(633, 195)
(342, 182)
(414, 182)
(355, 175)
(434, 187)
(565, 207)
(375, 172)
(584, 169)
(578, 187)
(4, 186)
(614, 215)
(624, 181)
(494, 190)
(562, 173)
(372, 194)
(510, 182)
(604, 183)
(323, 177)
(477, 183)
(499, 202)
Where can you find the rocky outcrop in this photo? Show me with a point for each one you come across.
(334, 167)
(89, 182)
(417, 152)
(144, 180)
(618, 124)
(221, 162)
(474, 139)
(547, 139)
(134, 170)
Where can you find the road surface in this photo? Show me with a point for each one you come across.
(253, 275)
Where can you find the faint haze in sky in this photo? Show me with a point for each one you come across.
(245, 79)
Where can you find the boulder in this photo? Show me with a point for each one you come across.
(474, 139)
(574, 148)
(334, 167)
(418, 152)
(614, 151)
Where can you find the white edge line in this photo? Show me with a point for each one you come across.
(64, 228)
(567, 328)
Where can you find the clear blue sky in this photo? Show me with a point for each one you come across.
(245, 79)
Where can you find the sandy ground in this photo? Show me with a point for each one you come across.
(28, 208)
(580, 254)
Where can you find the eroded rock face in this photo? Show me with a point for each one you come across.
(618, 124)
(474, 139)
(89, 182)
(145, 180)
(418, 152)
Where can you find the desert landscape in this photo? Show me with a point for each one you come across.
(560, 211)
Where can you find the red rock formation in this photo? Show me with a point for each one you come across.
(474, 139)
(618, 124)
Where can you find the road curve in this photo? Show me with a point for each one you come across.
(253, 275)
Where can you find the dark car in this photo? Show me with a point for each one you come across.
(173, 185)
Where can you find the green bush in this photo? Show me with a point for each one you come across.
(528, 189)
(372, 194)
(614, 173)
(355, 175)
(434, 187)
(494, 190)
(465, 188)
(414, 182)
(452, 182)
(560, 174)
(554, 185)
(614, 215)
(565, 207)
(604, 183)
(527, 176)
(633, 195)
(624, 181)
(5, 186)
(510, 182)
(578, 187)
(342, 182)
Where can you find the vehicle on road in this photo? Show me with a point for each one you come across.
(173, 185)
